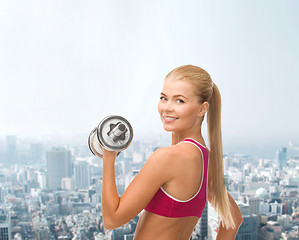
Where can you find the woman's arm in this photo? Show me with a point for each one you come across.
(119, 210)
(109, 195)
(230, 234)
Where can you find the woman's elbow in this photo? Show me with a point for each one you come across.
(109, 224)
(237, 215)
(238, 220)
(109, 227)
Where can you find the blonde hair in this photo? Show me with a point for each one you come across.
(207, 91)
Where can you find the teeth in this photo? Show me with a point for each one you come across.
(169, 118)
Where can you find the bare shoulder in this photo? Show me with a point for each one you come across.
(165, 157)
(175, 151)
(162, 156)
(185, 150)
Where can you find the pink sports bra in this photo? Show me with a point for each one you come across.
(166, 205)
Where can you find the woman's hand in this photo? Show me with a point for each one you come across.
(109, 154)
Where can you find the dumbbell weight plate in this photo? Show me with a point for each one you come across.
(94, 145)
(104, 128)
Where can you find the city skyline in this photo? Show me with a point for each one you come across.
(267, 151)
(38, 201)
(62, 71)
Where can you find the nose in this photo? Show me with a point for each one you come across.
(168, 106)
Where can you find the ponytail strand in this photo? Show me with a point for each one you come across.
(216, 183)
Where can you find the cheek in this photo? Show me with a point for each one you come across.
(159, 108)
(187, 112)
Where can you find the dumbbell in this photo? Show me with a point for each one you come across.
(114, 133)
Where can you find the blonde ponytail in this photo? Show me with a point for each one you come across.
(207, 91)
(216, 183)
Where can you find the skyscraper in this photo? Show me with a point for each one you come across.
(248, 229)
(204, 223)
(11, 149)
(36, 152)
(59, 165)
(82, 174)
(213, 222)
(282, 157)
(254, 205)
(5, 231)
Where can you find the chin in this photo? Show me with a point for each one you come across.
(168, 129)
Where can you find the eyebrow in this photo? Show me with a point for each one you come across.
(178, 95)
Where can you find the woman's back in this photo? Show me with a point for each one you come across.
(151, 226)
(167, 213)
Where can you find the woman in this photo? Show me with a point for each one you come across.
(175, 182)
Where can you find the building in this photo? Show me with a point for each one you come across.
(82, 174)
(5, 231)
(31, 175)
(11, 150)
(43, 233)
(282, 157)
(59, 165)
(204, 223)
(262, 193)
(248, 229)
(275, 208)
(67, 184)
(254, 204)
(264, 208)
(213, 222)
(42, 179)
(36, 152)
(271, 231)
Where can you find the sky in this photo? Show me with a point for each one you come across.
(65, 65)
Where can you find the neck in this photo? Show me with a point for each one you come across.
(193, 132)
(176, 138)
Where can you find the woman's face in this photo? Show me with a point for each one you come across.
(179, 107)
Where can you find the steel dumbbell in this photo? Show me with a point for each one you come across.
(114, 133)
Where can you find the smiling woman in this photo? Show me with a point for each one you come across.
(179, 106)
(173, 186)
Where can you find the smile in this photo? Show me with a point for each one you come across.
(169, 119)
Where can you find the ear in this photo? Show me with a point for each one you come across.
(203, 109)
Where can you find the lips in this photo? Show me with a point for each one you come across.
(169, 119)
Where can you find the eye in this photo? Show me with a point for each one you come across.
(163, 98)
(179, 101)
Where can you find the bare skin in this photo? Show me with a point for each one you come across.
(165, 228)
(189, 182)
(178, 169)
(181, 183)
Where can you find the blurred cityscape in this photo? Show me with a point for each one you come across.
(53, 191)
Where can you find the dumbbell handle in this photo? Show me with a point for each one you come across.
(118, 130)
